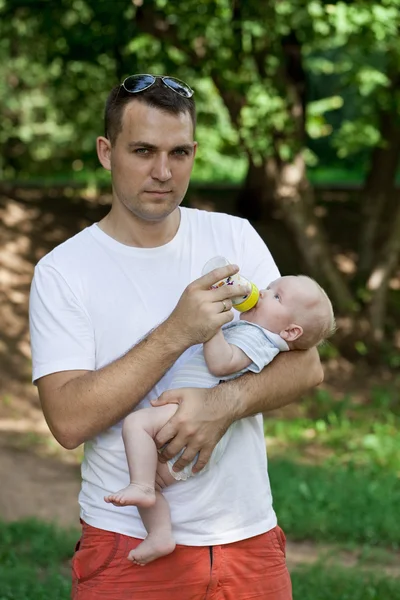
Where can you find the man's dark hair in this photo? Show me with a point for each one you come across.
(157, 96)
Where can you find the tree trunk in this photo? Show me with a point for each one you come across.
(288, 183)
(379, 187)
(256, 198)
(285, 183)
(294, 197)
(379, 280)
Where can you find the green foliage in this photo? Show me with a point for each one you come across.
(53, 100)
(282, 85)
(343, 432)
(233, 55)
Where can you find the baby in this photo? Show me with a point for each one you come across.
(292, 313)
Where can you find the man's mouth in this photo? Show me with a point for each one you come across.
(158, 192)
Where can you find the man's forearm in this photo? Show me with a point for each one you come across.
(284, 380)
(80, 404)
(86, 405)
(205, 414)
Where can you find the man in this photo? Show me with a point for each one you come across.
(112, 312)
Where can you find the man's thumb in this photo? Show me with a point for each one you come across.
(168, 397)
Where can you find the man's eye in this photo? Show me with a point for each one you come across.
(142, 151)
(180, 152)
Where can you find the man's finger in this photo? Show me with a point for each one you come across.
(168, 397)
(206, 281)
(225, 305)
(204, 457)
(186, 458)
(230, 291)
(176, 445)
(226, 317)
(166, 434)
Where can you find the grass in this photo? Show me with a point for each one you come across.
(34, 561)
(336, 504)
(32, 541)
(334, 470)
(25, 582)
(342, 431)
(321, 583)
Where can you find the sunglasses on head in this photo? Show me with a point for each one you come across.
(138, 83)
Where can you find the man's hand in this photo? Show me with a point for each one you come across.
(202, 311)
(198, 425)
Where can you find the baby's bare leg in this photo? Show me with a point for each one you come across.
(157, 520)
(159, 541)
(138, 432)
(164, 478)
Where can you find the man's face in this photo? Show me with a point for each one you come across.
(152, 160)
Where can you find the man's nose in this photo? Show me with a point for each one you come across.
(161, 168)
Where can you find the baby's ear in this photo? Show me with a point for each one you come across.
(291, 333)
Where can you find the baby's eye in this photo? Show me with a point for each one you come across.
(277, 297)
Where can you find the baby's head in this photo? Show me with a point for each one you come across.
(296, 308)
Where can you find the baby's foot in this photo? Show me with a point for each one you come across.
(154, 546)
(135, 494)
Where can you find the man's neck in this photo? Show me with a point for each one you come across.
(138, 233)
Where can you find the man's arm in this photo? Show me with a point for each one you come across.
(287, 378)
(78, 405)
(205, 415)
(81, 404)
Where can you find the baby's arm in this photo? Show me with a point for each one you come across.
(223, 358)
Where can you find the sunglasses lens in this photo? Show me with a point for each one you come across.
(180, 87)
(138, 83)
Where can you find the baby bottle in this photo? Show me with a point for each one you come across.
(240, 303)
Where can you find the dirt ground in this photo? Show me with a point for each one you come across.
(38, 477)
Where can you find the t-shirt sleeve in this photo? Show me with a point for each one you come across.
(254, 343)
(257, 263)
(62, 337)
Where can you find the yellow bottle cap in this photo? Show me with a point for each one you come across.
(250, 301)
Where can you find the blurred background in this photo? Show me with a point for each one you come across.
(299, 132)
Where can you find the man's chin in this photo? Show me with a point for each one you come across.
(157, 211)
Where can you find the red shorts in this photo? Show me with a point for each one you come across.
(254, 568)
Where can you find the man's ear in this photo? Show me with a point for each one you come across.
(291, 333)
(103, 147)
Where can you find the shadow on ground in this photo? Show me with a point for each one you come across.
(32, 222)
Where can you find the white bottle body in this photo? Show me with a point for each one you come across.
(241, 303)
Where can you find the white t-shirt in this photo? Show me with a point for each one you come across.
(92, 299)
